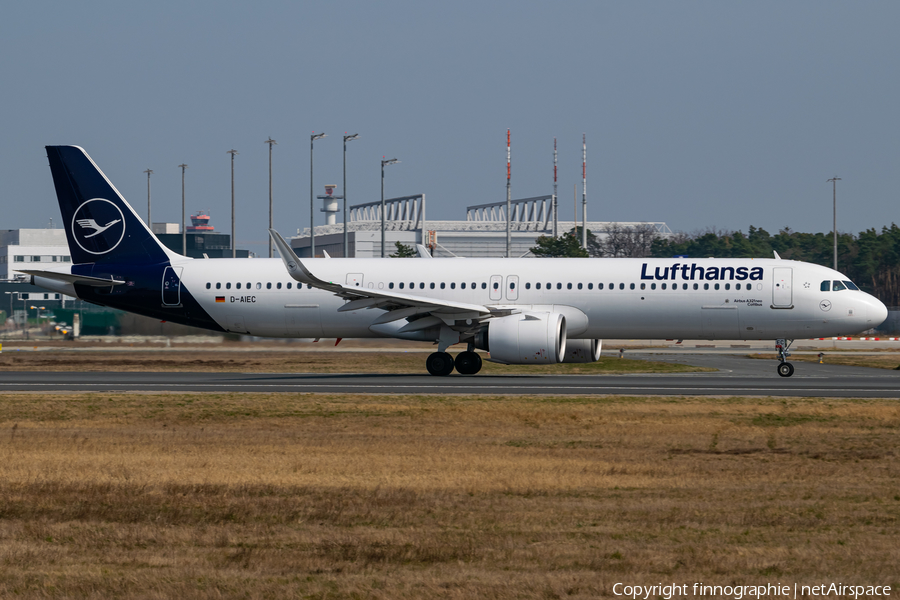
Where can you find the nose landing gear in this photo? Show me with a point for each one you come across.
(782, 346)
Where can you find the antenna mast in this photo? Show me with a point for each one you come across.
(584, 191)
(553, 205)
(508, 201)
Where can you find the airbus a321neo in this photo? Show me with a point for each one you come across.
(521, 311)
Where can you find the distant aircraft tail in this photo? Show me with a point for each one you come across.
(100, 225)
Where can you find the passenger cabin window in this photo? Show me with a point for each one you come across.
(590, 286)
(289, 285)
(208, 286)
(496, 286)
(621, 286)
(228, 286)
(452, 285)
(483, 285)
(568, 286)
(278, 285)
(599, 286)
(559, 286)
(443, 285)
(537, 286)
(727, 286)
(391, 285)
(527, 286)
(218, 286)
(837, 286)
(269, 286)
(826, 286)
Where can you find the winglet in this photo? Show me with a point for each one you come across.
(423, 251)
(295, 268)
(776, 255)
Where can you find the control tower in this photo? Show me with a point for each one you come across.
(199, 223)
(330, 204)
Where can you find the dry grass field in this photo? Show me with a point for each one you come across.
(316, 496)
(206, 359)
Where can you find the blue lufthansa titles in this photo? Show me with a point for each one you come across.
(690, 272)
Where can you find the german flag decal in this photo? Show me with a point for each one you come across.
(220, 298)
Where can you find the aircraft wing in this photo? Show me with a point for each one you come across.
(399, 306)
(70, 278)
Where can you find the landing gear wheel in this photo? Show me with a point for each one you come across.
(439, 363)
(785, 369)
(468, 363)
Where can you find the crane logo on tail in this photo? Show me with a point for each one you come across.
(98, 226)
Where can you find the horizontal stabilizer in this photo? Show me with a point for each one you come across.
(80, 279)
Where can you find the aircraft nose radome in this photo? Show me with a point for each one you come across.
(876, 312)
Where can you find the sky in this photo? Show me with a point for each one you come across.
(705, 115)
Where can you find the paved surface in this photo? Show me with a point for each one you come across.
(736, 376)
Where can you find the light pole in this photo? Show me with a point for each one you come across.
(149, 172)
(347, 138)
(384, 163)
(183, 166)
(270, 142)
(312, 215)
(834, 181)
(232, 152)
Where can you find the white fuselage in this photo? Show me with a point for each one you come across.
(601, 298)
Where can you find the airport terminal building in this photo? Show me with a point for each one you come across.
(481, 235)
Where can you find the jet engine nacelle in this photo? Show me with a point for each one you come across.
(525, 338)
(582, 351)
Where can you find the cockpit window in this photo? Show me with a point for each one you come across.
(826, 286)
(851, 286)
(838, 286)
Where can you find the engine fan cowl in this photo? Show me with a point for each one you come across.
(527, 338)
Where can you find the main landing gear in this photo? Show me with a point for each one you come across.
(782, 346)
(442, 363)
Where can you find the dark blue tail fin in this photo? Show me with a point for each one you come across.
(100, 225)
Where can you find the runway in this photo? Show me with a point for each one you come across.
(736, 376)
